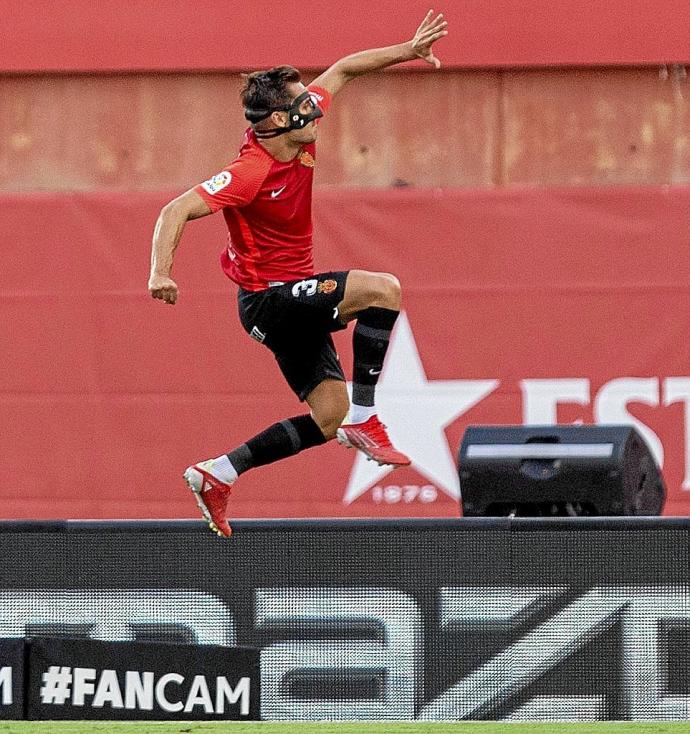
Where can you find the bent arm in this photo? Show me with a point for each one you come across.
(166, 236)
(364, 62)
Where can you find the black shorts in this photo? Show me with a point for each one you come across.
(295, 320)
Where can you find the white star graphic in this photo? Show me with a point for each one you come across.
(417, 411)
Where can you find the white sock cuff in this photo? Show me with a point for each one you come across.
(223, 469)
(361, 413)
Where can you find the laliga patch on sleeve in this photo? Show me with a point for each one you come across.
(217, 182)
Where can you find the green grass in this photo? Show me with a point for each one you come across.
(192, 727)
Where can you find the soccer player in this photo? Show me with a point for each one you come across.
(265, 196)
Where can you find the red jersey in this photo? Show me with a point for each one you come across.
(267, 208)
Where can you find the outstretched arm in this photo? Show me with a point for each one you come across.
(349, 67)
(166, 236)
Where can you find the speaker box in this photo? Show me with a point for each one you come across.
(546, 471)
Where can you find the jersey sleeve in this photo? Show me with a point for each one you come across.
(323, 97)
(236, 185)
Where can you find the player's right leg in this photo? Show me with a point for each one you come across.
(365, 290)
(374, 300)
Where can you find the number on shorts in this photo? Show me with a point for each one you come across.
(308, 286)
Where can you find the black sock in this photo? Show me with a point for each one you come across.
(278, 441)
(369, 344)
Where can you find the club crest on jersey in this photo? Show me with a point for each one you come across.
(327, 286)
(217, 182)
(306, 159)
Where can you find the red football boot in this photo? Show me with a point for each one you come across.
(211, 495)
(372, 440)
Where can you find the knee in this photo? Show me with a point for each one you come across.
(386, 291)
(330, 419)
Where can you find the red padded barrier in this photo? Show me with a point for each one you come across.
(529, 305)
(78, 35)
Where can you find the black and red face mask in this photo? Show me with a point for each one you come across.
(297, 119)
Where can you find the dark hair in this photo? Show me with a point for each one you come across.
(264, 90)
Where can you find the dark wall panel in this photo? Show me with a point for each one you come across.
(453, 620)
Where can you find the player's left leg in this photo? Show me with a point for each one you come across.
(212, 479)
(309, 363)
(329, 404)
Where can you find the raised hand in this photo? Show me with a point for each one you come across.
(430, 30)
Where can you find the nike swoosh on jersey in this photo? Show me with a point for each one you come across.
(277, 193)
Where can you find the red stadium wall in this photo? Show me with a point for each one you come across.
(520, 306)
(459, 129)
(78, 35)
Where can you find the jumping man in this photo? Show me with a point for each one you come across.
(265, 195)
